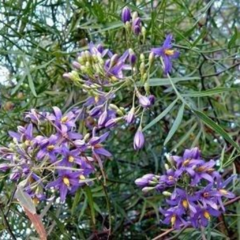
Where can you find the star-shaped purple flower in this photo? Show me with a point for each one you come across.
(167, 53)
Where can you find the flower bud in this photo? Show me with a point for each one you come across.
(134, 15)
(126, 15)
(76, 65)
(136, 26)
(144, 101)
(114, 60)
(112, 122)
(103, 118)
(130, 116)
(142, 68)
(166, 194)
(132, 57)
(151, 58)
(147, 189)
(144, 180)
(142, 57)
(146, 87)
(138, 140)
(166, 166)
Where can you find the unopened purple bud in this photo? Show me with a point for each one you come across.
(114, 60)
(126, 14)
(76, 65)
(144, 180)
(132, 57)
(14, 176)
(139, 140)
(103, 118)
(136, 26)
(144, 101)
(95, 111)
(130, 116)
(152, 99)
(100, 48)
(67, 75)
(112, 122)
(4, 167)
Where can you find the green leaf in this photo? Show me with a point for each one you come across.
(160, 116)
(216, 128)
(233, 39)
(91, 204)
(209, 92)
(176, 124)
(77, 198)
(166, 81)
(25, 200)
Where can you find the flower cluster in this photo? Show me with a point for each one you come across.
(132, 20)
(48, 152)
(101, 73)
(195, 190)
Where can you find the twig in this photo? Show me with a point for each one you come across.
(232, 201)
(218, 73)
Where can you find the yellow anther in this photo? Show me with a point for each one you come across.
(173, 219)
(82, 177)
(70, 158)
(64, 119)
(113, 78)
(35, 201)
(185, 203)
(96, 98)
(66, 181)
(50, 148)
(169, 52)
(223, 191)
(201, 169)
(186, 162)
(206, 214)
(27, 143)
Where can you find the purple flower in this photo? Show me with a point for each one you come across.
(204, 171)
(184, 201)
(222, 192)
(203, 215)
(96, 146)
(207, 196)
(48, 147)
(174, 217)
(126, 14)
(65, 122)
(65, 182)
(189, 161)
(166, 53)
(114, 67)
(138, 142)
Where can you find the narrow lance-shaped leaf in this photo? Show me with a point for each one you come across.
(217, 128)
(25, 200)
(176, 124)
(160, 116)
